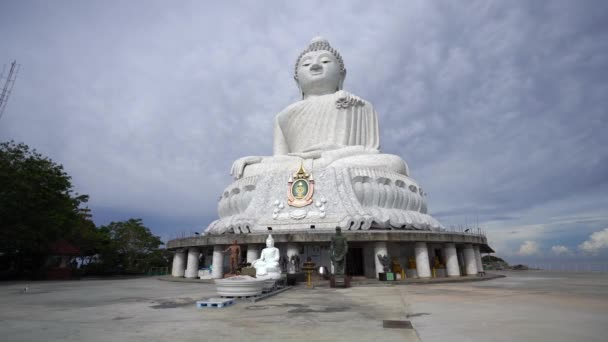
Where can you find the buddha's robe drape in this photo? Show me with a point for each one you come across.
(317, 124)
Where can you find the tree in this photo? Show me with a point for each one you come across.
(132, 248)
(491, 258)
(37, 207)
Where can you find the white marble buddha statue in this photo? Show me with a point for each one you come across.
(329, 127)
(267, 266)
(333, 135)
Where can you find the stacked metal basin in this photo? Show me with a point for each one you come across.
(239, 286)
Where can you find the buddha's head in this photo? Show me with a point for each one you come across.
(269, 241)
(319, 69)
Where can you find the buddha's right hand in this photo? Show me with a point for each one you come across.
(238, 167)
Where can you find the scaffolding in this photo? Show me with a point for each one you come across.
(9, 83)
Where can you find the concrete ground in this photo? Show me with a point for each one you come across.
(524, 306)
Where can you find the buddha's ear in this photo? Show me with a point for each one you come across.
(341, 82)
(299, 88)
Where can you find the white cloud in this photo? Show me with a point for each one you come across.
(596, 242)
(529, 248)
(560, 250)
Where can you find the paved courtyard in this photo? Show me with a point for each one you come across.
(524, 306)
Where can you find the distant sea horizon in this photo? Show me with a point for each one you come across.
(569, 266)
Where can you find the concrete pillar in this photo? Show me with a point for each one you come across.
(470, 264)
(379, 248)
(292, 249)
(253, 253)
(460, 260)
(478, 258)
(451, 260)
(422, 260)
(217, 265)
(179, 264)
(192, 266)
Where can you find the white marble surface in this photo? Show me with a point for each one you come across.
(478, 261)
(451, 260)
(205, 274)
(179, 264)
(335, 135)
(267, 266)
(422, 260)
(379, 248)
(470, 261)
(192, 266)
(253, 253)
(239, 286)
(217, 265)
(351, 198)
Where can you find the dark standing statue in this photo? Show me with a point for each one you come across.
(384, 261)
(339, 248)
(283, 261)
(235, 256)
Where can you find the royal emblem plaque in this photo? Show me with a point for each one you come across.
(301, 187)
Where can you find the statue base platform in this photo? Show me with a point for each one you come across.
(239, 286)
(250, 271)
(440, 273)
(339, 281)
(351, 198)
(272, 275)
(293, 278)
(411, 273)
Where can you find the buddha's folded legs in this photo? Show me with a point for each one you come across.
(260, 270)
(290, 164)
(274, 164)
(389, 162)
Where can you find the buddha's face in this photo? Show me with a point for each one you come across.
(269, 243)
(319, 73)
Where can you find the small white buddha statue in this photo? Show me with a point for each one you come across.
(267, 266)
(329, 127)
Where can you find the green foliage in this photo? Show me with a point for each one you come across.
(37, 206)
(491, 258)
(132, 247)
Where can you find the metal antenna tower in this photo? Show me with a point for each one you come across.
(8, 85)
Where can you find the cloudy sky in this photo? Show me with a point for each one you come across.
(499, 108)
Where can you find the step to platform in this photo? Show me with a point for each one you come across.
(214, 303)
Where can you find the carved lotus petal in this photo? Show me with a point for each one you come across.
(298, 214)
